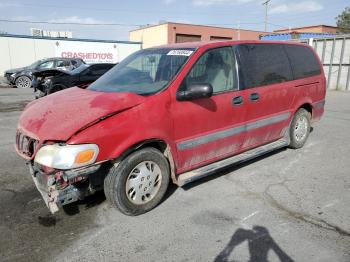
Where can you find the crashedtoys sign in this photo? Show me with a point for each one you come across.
(90, 52)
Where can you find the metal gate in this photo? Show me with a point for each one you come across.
(335, 56)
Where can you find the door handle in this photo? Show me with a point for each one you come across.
(254, 97)
(238, 100)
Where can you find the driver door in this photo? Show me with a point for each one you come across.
(209, 129)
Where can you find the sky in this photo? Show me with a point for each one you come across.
(130, 14)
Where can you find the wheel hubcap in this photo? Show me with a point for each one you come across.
(301, 128)
(23, 82)
(143, 182)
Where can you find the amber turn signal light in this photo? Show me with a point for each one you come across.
(84, 156)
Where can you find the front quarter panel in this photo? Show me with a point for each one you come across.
(118, 133)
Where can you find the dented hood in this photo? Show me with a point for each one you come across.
(62, 114)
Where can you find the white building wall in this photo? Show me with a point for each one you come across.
(4, 55)
(23, 51)
(44, 49)
(125, 50)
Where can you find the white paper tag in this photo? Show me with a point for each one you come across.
(180, 52)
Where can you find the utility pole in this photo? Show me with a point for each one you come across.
(239, 30)
(266, 3)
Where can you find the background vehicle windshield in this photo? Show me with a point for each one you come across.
(144, 72)
(79, 69)
(35, 64)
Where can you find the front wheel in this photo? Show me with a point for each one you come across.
(23, 82)
(139, 182)
(300, 128)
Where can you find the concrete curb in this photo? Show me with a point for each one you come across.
(5, 86)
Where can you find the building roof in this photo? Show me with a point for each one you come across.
(210, 26)
(69, 39)
(304, 27)
(196, 45)
(289, 36)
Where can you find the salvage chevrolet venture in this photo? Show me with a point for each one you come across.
(172, 113)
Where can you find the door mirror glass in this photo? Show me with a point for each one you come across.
(195, 91)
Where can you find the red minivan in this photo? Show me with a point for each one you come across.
(171, 113)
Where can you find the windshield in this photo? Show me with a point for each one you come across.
(144, 72)
(35, 64)
(79, 69)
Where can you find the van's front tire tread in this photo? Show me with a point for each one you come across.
(114, 183)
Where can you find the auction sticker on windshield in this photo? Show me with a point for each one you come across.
(180, 52)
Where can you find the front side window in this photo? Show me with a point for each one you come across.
(145, 72)
(74, 64)
(63, 64)
(264, 64)
(46, 65)
(216, 67)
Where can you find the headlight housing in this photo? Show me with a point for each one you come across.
(47, 82)
(67, 156)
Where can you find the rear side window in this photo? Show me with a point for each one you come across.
(97, 70)
(263, 64)
(303, 61)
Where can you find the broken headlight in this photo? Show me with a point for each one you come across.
(47, 82)
(67, 156)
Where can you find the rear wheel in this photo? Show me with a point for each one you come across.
(139, 182)
(23, 82)
(300, 128)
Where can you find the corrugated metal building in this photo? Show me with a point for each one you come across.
(306, 32)
(295, 35)
(334, 53)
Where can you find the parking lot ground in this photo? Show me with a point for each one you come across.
(4, 83)
(291, 205)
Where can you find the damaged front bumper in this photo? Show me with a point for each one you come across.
(60, 188)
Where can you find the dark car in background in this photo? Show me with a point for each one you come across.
(22, 77)
(49, 81)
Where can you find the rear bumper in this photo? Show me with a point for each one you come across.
(318, 110)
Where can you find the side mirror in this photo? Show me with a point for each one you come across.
(195, 91)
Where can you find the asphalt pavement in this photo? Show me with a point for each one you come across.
(291, 205)
(4, 83)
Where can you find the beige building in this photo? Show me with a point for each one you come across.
(170, 33)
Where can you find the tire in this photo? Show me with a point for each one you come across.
(23, 82)
(300, 128)
(139, 182)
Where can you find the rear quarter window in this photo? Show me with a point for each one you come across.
(303, 61)
(263, 64)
